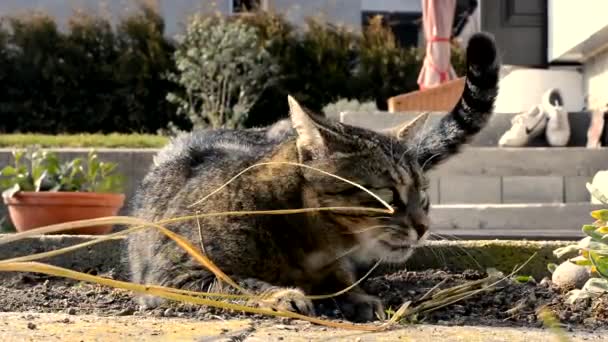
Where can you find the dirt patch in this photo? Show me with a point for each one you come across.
(510, 304)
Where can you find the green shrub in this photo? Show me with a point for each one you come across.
(95, 77)
(223, 69)
(90, 78)
(325, 63)
(385, 69)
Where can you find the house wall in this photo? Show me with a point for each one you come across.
(571, 23)
(595, 80)
(344, 12)
(175, 12)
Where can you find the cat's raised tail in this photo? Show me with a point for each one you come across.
(472, 111)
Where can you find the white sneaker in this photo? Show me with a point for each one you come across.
(524, 127)
(558, 126)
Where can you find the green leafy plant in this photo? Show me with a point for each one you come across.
(223, 69)
(592, 251)
(334, 109)
(39, 170)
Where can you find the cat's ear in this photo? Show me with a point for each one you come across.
(309, 140)
(407, 131)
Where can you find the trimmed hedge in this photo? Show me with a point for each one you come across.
(92, 78)
(98, 78)
(113, 140)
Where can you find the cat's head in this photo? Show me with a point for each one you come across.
(384, 163)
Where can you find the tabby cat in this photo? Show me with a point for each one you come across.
(308, 253)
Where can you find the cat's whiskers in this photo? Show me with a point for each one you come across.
(367, 229)
(429, 159)
(420, 140)
(462, 249)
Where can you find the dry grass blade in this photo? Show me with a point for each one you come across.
(457, 293)
(348, 288)
(62, 227)
(389, 208)
(183, 243)
(203, 260)
(430, 292)
(25, 264)
(163, 293)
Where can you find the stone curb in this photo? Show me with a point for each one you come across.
(503, 255)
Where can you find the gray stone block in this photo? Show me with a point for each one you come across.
(501, 219)
(489, 136)
(533, 189)
(467, 189)
(576, 190)
(550, 161)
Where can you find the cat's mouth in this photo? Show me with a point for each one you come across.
(396, 246)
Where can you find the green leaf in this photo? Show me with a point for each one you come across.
(581, 261)
(551, 267)
(593, 288)
(601, 214)
(560, 252)
(10, 192)
(524, 279)
(8, 171)
(17, 155)
(590, 230)
(600, 263)
(596, 285)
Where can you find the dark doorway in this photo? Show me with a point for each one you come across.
(520, 28)
(245, 5)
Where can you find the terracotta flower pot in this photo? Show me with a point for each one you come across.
(30, 210)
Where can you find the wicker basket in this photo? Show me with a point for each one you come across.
(440, 98)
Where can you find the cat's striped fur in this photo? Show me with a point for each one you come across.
(313, 253)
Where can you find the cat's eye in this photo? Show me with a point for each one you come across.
(387, 195)
(424, 200)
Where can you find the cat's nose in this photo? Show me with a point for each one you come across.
(421, 228)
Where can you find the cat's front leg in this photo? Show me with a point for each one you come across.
(279, 298)
(355, 305)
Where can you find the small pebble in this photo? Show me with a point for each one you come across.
(126, 312)
(546, 282)
(169, 312)
(31, 326)
(71, 311)
(568, 276)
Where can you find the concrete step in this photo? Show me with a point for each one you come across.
(489, 136)
(535, 220)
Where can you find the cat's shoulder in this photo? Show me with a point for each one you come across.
(249, 142)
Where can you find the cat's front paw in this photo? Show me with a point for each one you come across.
(286, 299)
(360, 307)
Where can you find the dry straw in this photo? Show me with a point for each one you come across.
(28, 263)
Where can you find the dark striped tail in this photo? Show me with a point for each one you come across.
(474, 108)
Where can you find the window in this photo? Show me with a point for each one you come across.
(244, 5)
(405, 26)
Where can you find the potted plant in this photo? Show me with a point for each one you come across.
(39, 190)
